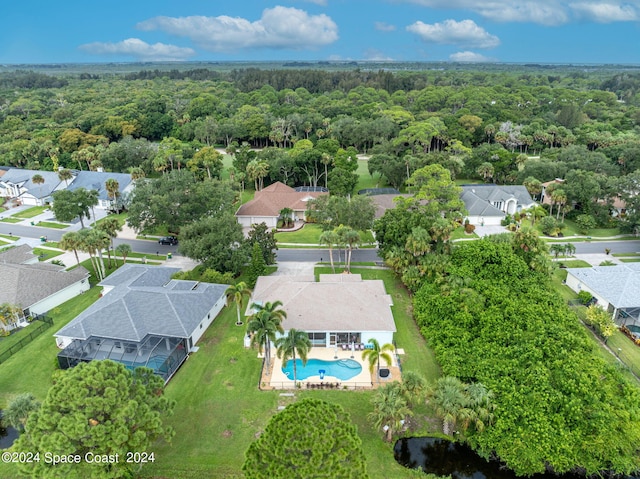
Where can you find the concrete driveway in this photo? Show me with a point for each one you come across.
(295, 268)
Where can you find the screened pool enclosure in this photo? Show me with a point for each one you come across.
(162, 354)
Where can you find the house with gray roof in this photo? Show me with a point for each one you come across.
(616, 288)
(18, 183)
(37, 287)
(144, 318)
(489, 204)
(96, 180)
(339, 309)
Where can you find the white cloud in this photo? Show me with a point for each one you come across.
(140, 50)
(470, 57)
(546, 12)
(604, 12)
(450, 32)
(384, 27)
(279, 27)
(376, 56)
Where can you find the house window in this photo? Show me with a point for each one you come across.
(318, 339)
(200, 325)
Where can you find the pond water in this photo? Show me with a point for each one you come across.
(441, 457)
(7, 435)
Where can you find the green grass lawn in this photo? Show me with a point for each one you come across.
(310, 234)
(571, 229)
(31, 212)
(30, 369)
(626, 350)
(121, 217)
(216, 393)
(51, 244)
(11, 220)
(626, 255)
(46, 253)
(630, 260)
(574, 263)
(51, 224)
(10, 237)
(217, 390)
(365, 180)
(459, 233)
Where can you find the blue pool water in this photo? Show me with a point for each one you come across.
(342, 369)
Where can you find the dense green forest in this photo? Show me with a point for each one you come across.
(508, 125)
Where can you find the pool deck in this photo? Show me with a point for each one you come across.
(276, 379)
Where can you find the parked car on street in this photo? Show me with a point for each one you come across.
(170, 240)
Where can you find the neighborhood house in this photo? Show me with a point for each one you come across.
(18, 184)
(267, 204)
(144, 318)
(616, 288)
(489, 204)
(37, 287)
(338, 310)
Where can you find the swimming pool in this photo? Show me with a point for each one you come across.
(343, 369)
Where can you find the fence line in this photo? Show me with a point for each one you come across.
(34, 332)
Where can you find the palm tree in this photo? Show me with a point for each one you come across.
(390, 409)
(413, 387)
(347, 237)
(9, 313)
(329, 238)
(286, 215)
(37, 179)
(536, 212)
(123, 250)
(449, 401)
(236, 293)
(485, 170)
(375, 352)
(113, 190)
(264, 326)
(110, 226)
(65, 175)
(18, 411)
(71, 241)
(295, 341)
(479, 400)
(137, 173)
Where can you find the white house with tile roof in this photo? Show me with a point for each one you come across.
(616, 288)
(488, 205)
(338, 309)
(267, 203)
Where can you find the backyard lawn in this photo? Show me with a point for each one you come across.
(30, 369)
(217, 390)
(219, 409)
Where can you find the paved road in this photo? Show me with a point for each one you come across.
(360, 255)
(631, 246)
(140, 246)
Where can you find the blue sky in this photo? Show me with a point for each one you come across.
(542, 31)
